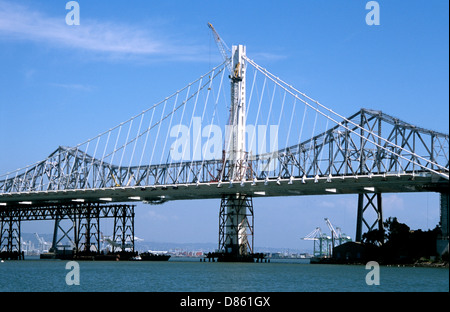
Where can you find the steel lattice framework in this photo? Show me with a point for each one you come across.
(368, 152)
(337, 154)
(85, 224)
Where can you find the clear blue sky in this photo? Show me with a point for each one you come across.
(60, 85)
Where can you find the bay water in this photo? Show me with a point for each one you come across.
(191, 275)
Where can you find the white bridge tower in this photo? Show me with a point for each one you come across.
(236, 210)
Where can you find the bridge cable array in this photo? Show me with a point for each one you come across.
(136, 152)
(295, 93)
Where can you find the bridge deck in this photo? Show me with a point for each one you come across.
(389, 183)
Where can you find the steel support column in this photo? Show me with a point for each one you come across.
(89, 229)
(366, 201)
(68, 231)
(236, 225)
(123, 235)
(10, 244)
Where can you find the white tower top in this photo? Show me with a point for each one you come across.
(236, 150)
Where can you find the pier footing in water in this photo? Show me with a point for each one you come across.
(226, 257)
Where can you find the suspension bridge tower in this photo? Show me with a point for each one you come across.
(236, 210)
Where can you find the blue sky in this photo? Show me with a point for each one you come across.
(60, 85)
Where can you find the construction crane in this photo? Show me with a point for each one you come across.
(235, 65)
(223, 48)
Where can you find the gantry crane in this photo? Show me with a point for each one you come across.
(342, 236)
(337, 236)
(334, 235)
(321, 240)
(323, 243)
(42, 243)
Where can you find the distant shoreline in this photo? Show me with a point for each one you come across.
(421, 264)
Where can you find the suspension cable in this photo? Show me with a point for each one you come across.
(283, 85)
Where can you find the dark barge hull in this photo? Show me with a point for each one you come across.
(154, 257)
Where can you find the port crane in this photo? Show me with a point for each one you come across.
(320, 242)
(42, 243)
(333, 232)
(337, 237)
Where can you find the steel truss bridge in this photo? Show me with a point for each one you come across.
(367, 153)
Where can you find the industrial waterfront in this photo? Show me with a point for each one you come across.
(34, 245)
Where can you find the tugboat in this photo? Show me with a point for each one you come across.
(154, 256)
